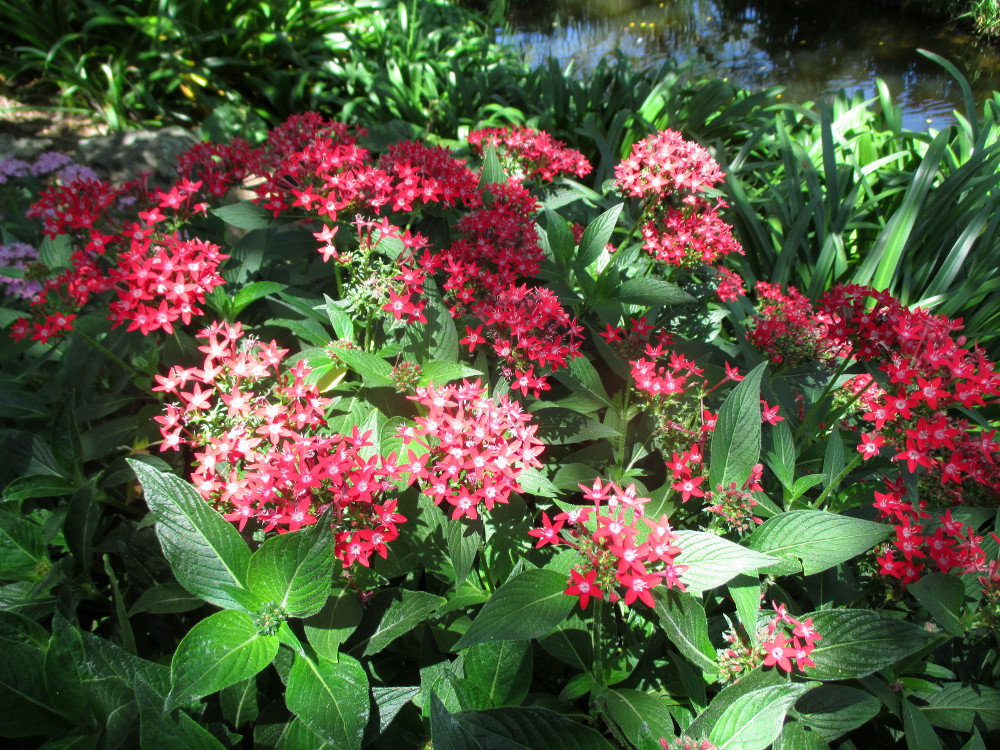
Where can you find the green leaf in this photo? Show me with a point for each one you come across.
(858, 642)
(208, 556)
(640, 714)
(374, 371)
(529, 605)
(406, 610)
(958, 707)
(735, 447)
(295, 570)
(834, 710)
(649, 291)
(22, 548)
(492, 173)
(782, 457)
(251, 293)
(684, 620)
(817, 538)
(533, 482)
(920, 735)
(833, 457)
(712, 560)
(173, 730)
(754, 720)
(942, 595)
(464, 542)
(38, 485)
(245, 215)
(745, 591)
(795, 736)
(597, 235)
(441, 373)
(331, 698)
(527, 728)
(333, 624)
(165, 598)
(502, 669)
(582, 377)
(239, 703)
(221, 650)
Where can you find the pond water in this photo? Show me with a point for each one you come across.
(812, 48)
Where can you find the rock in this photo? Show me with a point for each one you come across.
(122, 156)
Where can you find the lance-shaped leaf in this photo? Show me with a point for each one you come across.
(208, 556)
(686, 625)
(817, 538)
(753, 721)
(736, 439)
(713, 561)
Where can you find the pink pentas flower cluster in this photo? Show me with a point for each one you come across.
(161, 279)
(680, 225)
(785, 642)
(468, 449)
(260, 454)
(686, 743)
(527, 153)
(622, 558)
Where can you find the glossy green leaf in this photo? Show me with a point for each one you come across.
(221, 650)
(754, 720)
(331, 698)
(735, 447)
(818, 539)
(295, 570)
(684, 621)
(942, 595)
(164, 598)
(245, 215)
(510, 728)
(858, 642)
(649, 291)
(834, 710)
(638, 713)
(38, 485)
(529, 605)
(406, 610)
(597, 235)
(502, 669)
(335, 622)
(712, 560)
(208, 556)
(959, 707)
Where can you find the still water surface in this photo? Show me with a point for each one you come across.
(812, 48)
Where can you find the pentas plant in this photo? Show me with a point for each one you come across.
(440, 333)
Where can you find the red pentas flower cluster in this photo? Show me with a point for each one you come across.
(622, 559)
(526, 328)
(789, 330)
(527, 153)
(923, 543)
(785, 642)
(470, 448)
(259, 452)
(679, 225)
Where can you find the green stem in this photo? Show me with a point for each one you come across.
(839, 478)
(813, 416)
(105, 351)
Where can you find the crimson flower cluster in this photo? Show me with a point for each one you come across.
(260, 455)
(680, 226)
(622, 560)
(785, 642)
(921, 542)
(470, 448)
(788, 329)
(527, 153)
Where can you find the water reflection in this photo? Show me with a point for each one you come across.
(812, 48)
